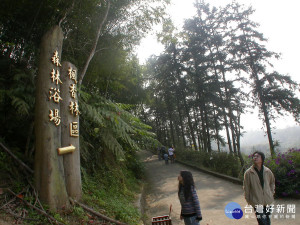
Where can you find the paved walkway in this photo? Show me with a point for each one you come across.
(214, 194)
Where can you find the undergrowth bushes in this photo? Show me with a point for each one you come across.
(109, 188)
(114, 192)
(112, 187)
(221, 162)
(286, 169)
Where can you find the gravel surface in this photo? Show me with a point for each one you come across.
(214, 194)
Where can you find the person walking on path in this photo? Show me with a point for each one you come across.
(259, 188)
(159, 153)
(171, 154)
(190, 206)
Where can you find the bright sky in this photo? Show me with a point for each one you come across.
(279, 22)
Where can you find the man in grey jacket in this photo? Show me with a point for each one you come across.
(259, 188)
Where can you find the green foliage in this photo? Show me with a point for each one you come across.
(13, 177)
(135, 166)
(110, 133)
(112, 190)
(221, 162)
(196, 85)
(22, 25)
(108, 126)
(16, 103)
(286, 169)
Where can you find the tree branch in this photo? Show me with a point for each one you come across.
(19, 217)
(65, 15)
(96, 213)
(92, 52)
(15, 157)
(35, 208)
(37, 198)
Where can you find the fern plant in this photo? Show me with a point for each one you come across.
(110, 126)
(17, 99)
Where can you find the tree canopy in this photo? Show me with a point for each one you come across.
(112, 86)
(210, 74)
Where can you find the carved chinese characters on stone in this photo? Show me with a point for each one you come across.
(55, 59)
(55, 76)
(73, 90)
(74, 132)
(54, 116)
(74, 109)
(54, 94)
(72, 74)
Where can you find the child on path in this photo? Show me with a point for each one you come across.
(166, 157)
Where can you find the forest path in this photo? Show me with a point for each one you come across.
(214, 194)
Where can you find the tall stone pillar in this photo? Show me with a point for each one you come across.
(49, 175)
(70, 129)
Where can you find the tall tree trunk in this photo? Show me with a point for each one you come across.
(258, 91)
(262, 100)
(221, 97)
(204, 138)
(187, 112)
(192, 133)
(217, 130)
(169, 109)
(177, 134)
(223, 107)
(200, 93)
(94, 46)
(167, 138)
(207, 131)
(238, 135)
(198, 130)
(268, 125)
(181, 123)
(157, 122)
(228, 103)
(172, 132)
(29, 136)
(183, 95)
(217, 80)
(200, 141)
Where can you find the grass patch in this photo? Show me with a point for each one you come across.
(113, 193)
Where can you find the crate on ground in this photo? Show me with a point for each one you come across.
(163, 220)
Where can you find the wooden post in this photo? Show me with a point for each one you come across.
(49, 175)
(70, 129)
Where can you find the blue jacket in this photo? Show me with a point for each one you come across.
(191, 206)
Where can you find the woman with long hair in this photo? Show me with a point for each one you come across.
(190, 206)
